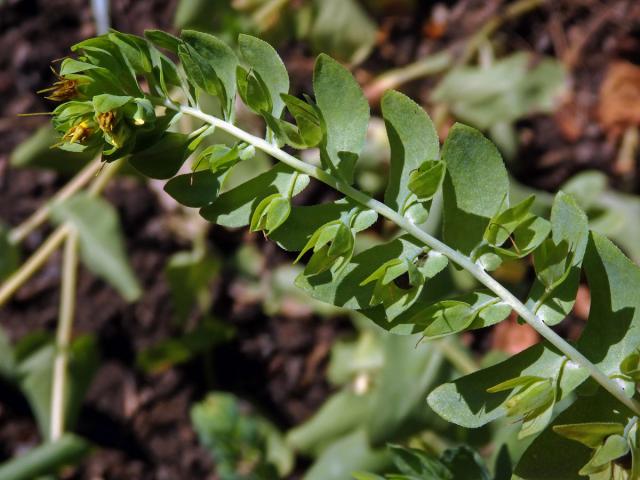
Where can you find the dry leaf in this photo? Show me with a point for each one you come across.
(511, 337)
(619, 106)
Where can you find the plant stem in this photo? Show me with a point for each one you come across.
(63, 336)
(444, 60)
(51, 244)
(22, 231)
(431, 65)
(512, 12)
(33, 264)
(462, 260)
(456, 355)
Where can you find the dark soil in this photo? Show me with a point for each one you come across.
(141, 422)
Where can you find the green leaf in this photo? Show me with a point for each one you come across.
(101, 245)
(416, 463)
(467, 402)
(211, 64)
(338, 416)
(523, 381)
(116, 74)
(343, 288)
(305, 220)
(195, 189)
(505, 223)
(558, 260)
(509, 89)
(425, 182)
(234, 207)
(238, 439)
(345, 116)
(177, 350)
(253, 91)
(614, 447)
(592, 434)
(413, 140)
(406, 376)
(613, 330)
(189, 275)
(307, 120)
(134, 49)
(551, 456)
(512, 234)
(46, 459)
(343, 29)
(488, 310)
(163, 39)
(36, 152)
(106, 102)
(465, 464)
(267, 64)
(348, 454)
(162, 159)
(270, 213)
(610, 335)
(630, 366)
(7, 357)
(445, 318)
(475, 189)
(221, 157)
(34, 375)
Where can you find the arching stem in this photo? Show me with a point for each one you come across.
(462, 260)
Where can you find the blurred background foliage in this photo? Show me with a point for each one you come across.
(516, 70)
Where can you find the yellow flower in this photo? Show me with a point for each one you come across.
(77, 133)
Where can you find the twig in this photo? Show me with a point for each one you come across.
(22, 231)
(63, 336)
(51, 244)
(442, 61)
(512, 12)
(460, 259)
(394, 78)
(456, 355)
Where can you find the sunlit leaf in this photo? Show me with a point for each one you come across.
(413, 140)
(345, 117)
(475, 188)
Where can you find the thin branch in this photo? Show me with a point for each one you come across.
(33, 264)
(51, 244)
(444, 60)
(462, 260)
(456, 355)
(63, 336)
(22, 231)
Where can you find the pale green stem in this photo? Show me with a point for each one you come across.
(456, 355)
(19, 233)
(33, 264)
(512, 12)
(51, 244)
(462, 260)
(444, 60)
(63, 336)
(392, 79)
